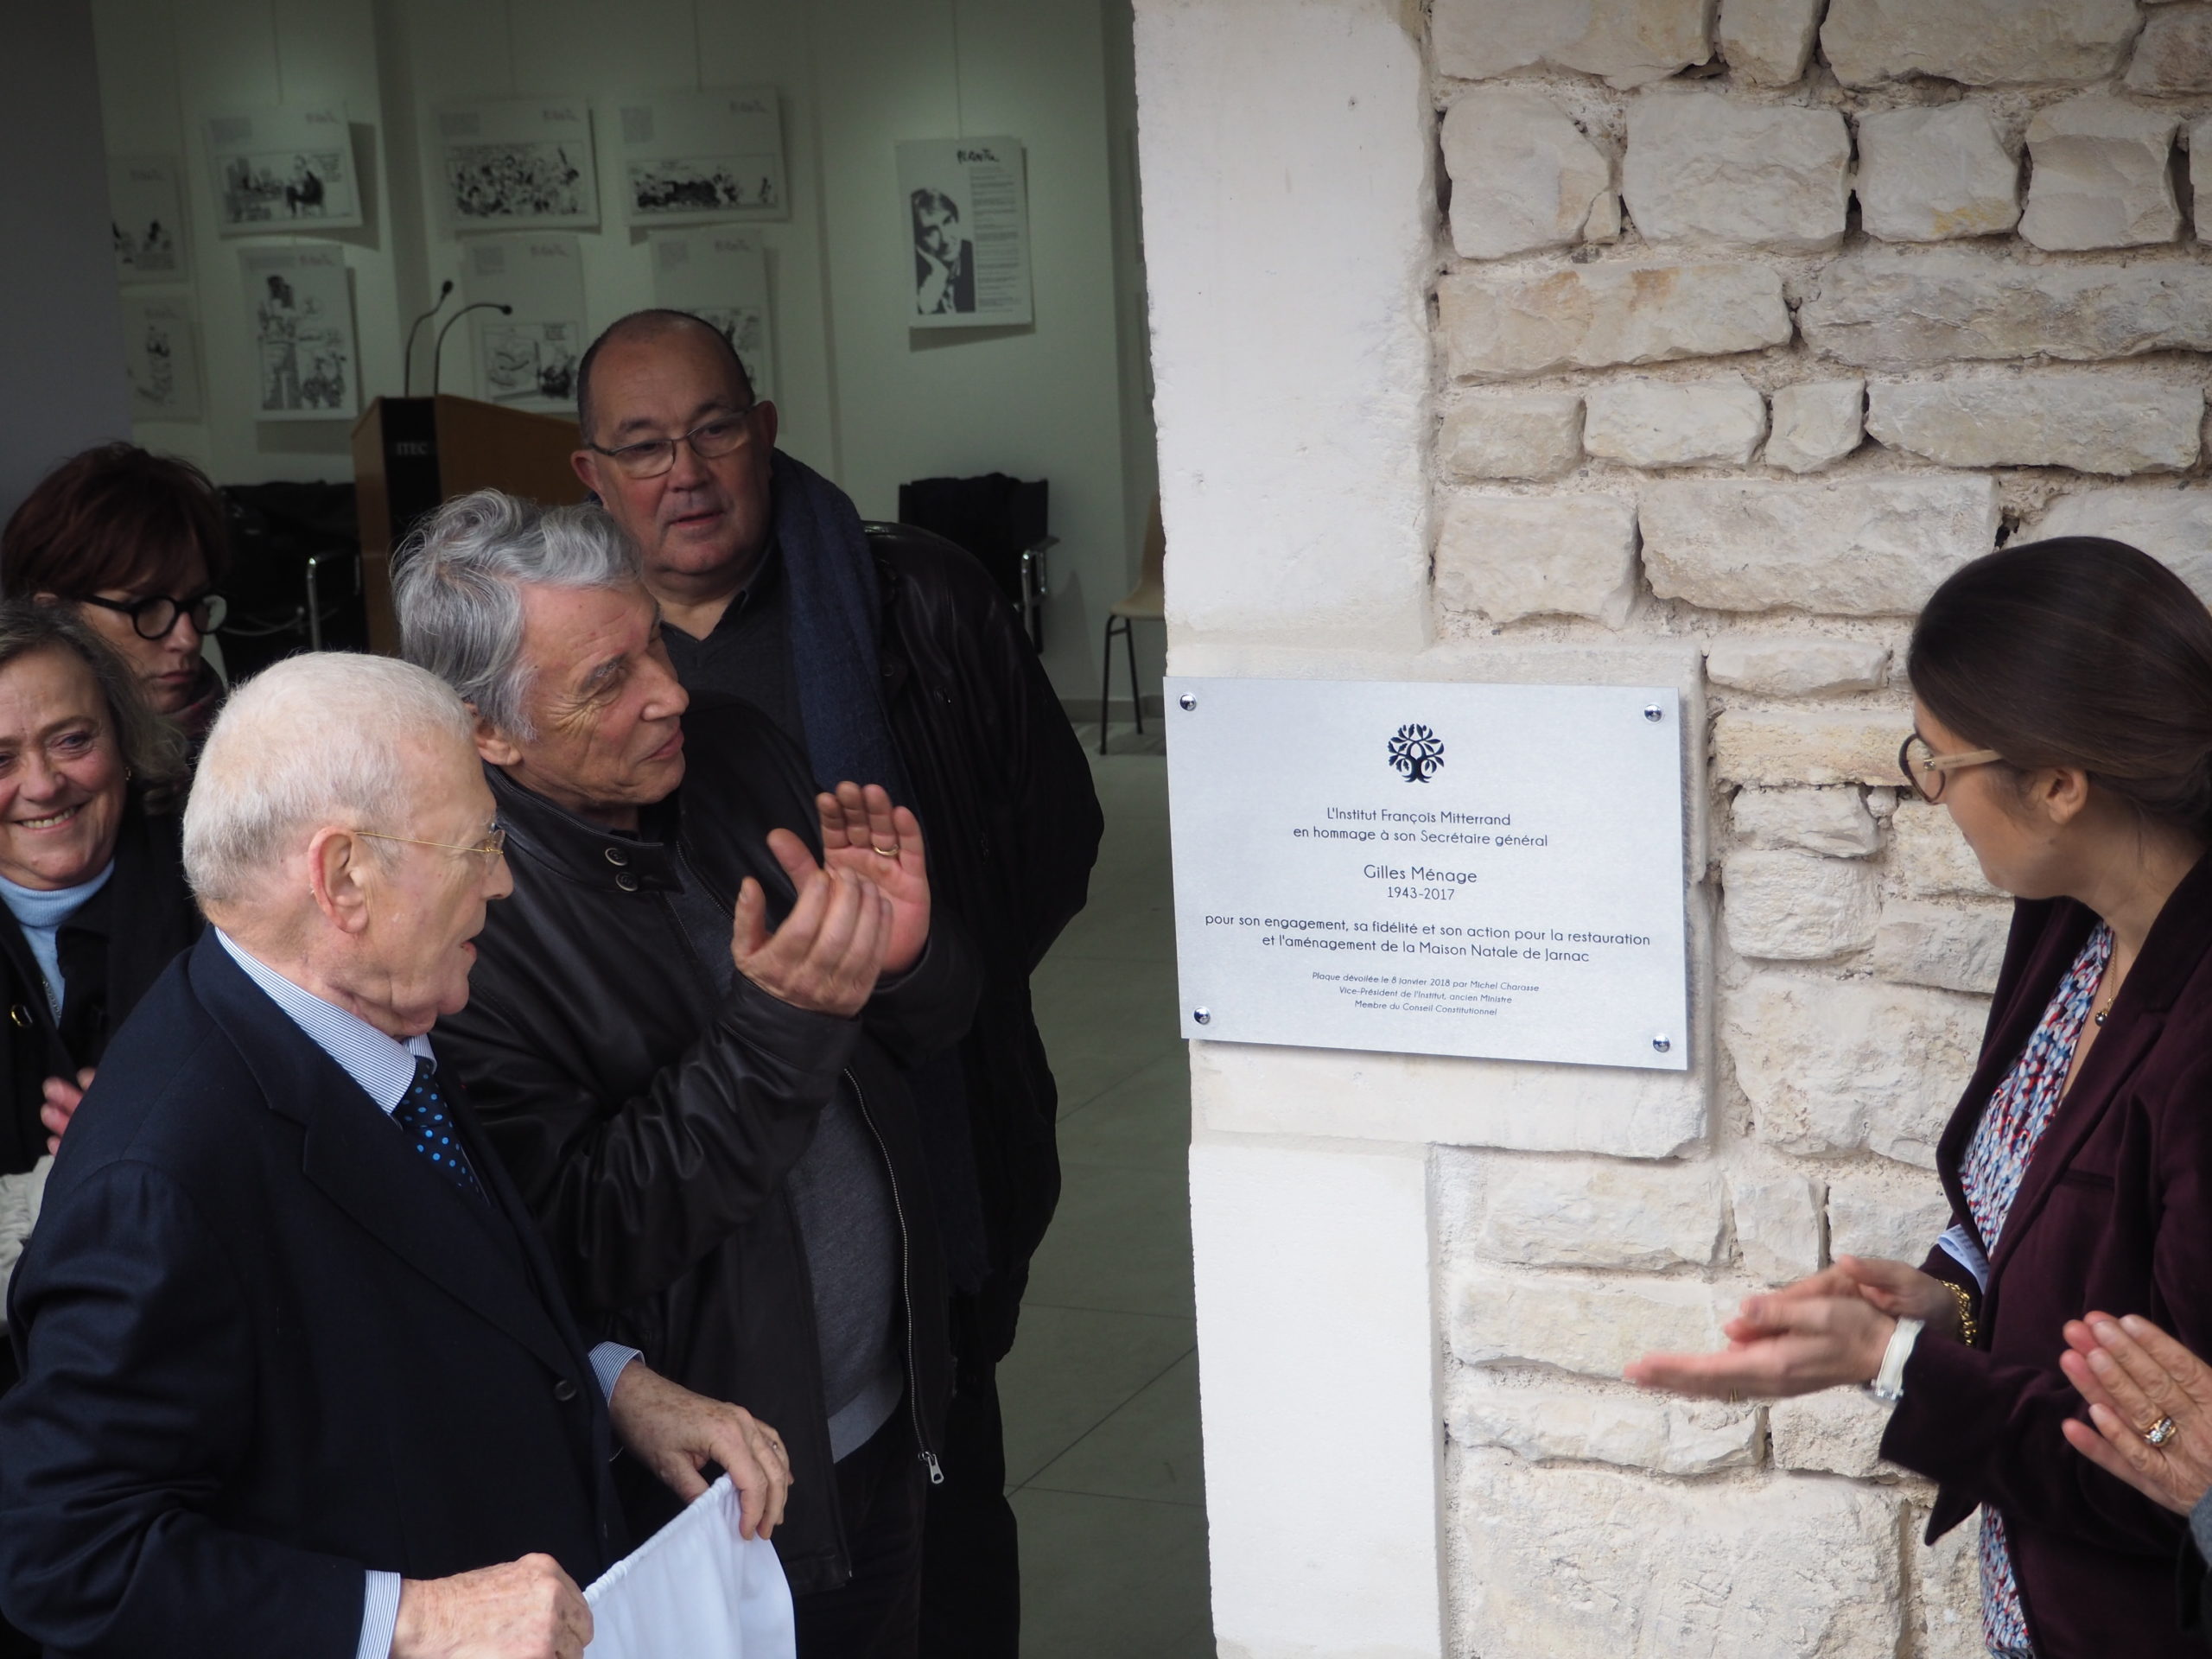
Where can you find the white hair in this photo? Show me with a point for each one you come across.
(456, 587)
(328, 738)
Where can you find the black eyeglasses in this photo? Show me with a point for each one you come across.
(152, 617)
(711, 440)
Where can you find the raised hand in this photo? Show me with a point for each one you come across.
(829, 953)
(1815, 1334)
(528, 1609)
(2135, 1378)
(864, 834)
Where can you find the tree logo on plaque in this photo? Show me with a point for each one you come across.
(1417, 754)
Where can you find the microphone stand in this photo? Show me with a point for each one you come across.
(438, 350)
(407, 359)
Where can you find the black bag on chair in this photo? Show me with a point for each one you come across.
(1001, 520)
(295, 574)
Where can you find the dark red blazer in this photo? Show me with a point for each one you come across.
(2115, 1214)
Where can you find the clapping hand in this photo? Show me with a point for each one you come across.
(827, 953)
(864, 834)
(2140, 1382)
(62, 1098)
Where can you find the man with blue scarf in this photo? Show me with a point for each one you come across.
(897, 662)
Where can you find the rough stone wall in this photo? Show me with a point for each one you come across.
(1752, 322)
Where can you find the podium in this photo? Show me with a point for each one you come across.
(410, 453)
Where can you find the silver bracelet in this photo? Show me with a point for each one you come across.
(1888, 1385)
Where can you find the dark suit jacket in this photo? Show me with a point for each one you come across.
(2115, 1214)
(265, 1348)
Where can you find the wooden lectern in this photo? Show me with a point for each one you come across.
(409, 454)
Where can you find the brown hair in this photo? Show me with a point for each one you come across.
(153, 748)
(116, 517)
(2078, 651)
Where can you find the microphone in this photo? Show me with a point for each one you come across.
(407, 361)
(438, 351)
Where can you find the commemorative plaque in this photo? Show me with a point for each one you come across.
(1431, 868)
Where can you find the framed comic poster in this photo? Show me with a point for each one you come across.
(965, 204)
(693, 156)
(145, 200)
(160, 352)
(288, 167)
(722, 276)
(517, 164)
(301, 310)
(529, 356)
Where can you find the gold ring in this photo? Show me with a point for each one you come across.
(886, 852)
(2160, 1431)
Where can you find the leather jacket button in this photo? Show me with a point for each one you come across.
(626, 881)
(617, 857)
(564, 1390)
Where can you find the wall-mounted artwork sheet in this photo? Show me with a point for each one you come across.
(693, 156)
(160, 352)
(286, 168)
(528, 358)
(516, 163)
(965, 204)
(301, 312)
(145, 199)
(722, 275)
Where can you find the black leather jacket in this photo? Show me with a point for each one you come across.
(650, 1121)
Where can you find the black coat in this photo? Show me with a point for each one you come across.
(650, 1120)
(264, 1349)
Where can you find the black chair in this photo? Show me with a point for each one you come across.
(1146, 602)
(1001, 521)
(295, 574)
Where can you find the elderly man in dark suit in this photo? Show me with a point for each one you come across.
(298, 1377)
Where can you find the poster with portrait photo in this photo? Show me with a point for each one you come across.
(288, 167)
(160, 352)
(693, 156)
(722, 275)
(965, 206)
(145, 201)
(300, 309)
(527, 357)
(517, 163)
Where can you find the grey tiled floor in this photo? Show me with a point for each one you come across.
(1101, 1392)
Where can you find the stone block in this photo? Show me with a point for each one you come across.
(1672, 1437)
(1568, 1563)
(1929, 857)
(1702, 168)
(2172, 524)
(1953, 947)
(1778, 1225)
(1889, 310)
(1596, 316)
(1836, 1432)
(2102, 176)
(1862, 547)
(1949, 1575)
(2200, 177)
(1771, 747)
(1799, 906)
(1668, 423)
(1523, 176)
(1838, 1067)
(1981, 42)
(2173, 55)
(1554, 1213)
(1816, 424)
(1576, 1323)
(1627, 42)
(1832, 822)
(1891, 1214)
(1510, 557)
(1929, 172)
(2091, 419)
(1795, 665)
(1513, 435)
(1769, 42)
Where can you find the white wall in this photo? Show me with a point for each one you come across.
(864, 397)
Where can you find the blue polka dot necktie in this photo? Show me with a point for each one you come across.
(428, 1122)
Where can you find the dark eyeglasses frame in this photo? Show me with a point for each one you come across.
(651, 457)
(206, 611)
(1940, 766)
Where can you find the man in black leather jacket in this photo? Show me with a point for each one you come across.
(891, 658)
(709, 1115)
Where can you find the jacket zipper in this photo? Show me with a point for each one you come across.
(906, 1286)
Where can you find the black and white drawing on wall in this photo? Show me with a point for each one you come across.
(302, 312)
(529, 356)
(518, 162)
(283, 168)
(161, 341)
(722, 275)
(691, 156)
(965, 204)
(145, 201)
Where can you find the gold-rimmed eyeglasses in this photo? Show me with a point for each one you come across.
(1926, 772)
(493, 846)
(711, 440)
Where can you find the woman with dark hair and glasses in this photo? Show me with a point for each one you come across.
(2063, 717)
(138, 543)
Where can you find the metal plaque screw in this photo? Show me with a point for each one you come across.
(1204, 1016)
(1652, 711)
(1187, 700)
(1662, 1043)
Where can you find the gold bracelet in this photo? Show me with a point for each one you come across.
(1969, 1331)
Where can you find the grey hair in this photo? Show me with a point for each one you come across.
(457, 582)
(327, 738)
